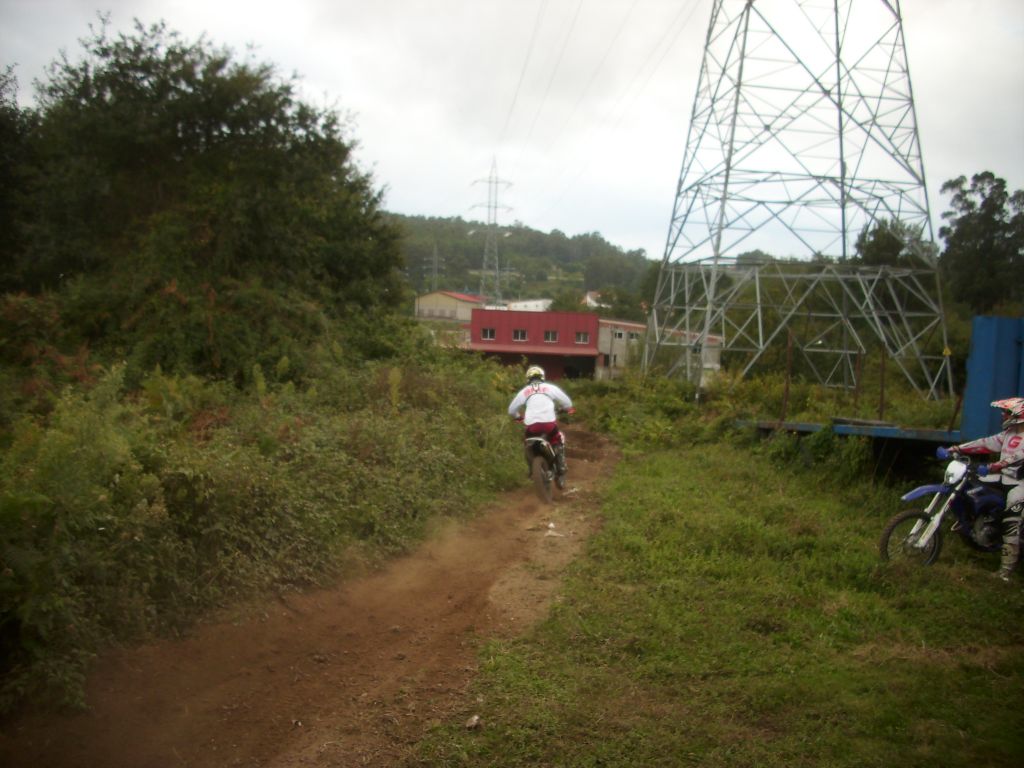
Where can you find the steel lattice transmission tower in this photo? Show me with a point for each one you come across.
(490, 274)
(803, 133)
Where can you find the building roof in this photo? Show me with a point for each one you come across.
(522, 348)
(622, 323)
(469, 298)
(472, 298)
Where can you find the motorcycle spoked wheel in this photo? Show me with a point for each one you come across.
(542, 479)
(895, 546)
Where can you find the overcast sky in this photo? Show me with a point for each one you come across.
(582, 104)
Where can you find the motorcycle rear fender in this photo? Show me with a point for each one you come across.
(540, 446)
(925, 490)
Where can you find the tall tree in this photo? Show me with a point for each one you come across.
(614, 268)
(188, 208)
(984, 237)
(891, 242)
(158, 150)
(15, 126)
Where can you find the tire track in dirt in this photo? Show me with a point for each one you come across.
(347, 676)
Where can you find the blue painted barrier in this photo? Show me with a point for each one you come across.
(995, 370)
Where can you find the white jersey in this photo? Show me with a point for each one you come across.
(539, 398)
(1009, 444)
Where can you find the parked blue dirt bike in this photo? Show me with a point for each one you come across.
(974, 508)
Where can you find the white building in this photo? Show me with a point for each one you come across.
(621, 342)
(447, 305)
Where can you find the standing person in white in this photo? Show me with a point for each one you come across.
(540, 400)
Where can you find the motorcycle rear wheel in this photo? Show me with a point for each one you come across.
(541, 474)
(896, 543)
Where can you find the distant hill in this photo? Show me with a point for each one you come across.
(447, 254)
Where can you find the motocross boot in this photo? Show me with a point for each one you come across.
(560, 467)
(1011, 544)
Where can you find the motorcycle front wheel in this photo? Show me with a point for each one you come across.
(901, 533)
(541, 475)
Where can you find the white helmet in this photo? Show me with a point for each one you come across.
(534, 372)
(1013, 410)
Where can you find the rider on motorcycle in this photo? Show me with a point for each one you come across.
(539, 398)
(1009, 444)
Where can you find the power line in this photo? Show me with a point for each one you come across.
(551, 79)
(672, 32)
(522, 73)
(661, 59)
(593, 75)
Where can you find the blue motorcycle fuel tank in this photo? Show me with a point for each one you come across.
(986, 500)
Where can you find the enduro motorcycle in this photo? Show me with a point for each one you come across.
(975, 509)
(540, 455)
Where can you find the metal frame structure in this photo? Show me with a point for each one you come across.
(490, 273)
(803, 133)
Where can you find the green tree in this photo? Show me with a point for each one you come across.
(891, 242)
(622, 304)
(189, 209)
(154, 148)
(568, 301)
(753, 258)
(15, 168)
(614, 268)
(984, 237)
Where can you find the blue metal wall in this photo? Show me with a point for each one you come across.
(995, 369)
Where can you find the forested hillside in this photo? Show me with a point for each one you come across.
(447, 254)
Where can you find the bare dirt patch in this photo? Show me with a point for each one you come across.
(348, 676)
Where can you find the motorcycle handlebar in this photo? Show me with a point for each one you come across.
(979, 469)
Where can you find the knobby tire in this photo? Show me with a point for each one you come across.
(541, 479)
(893, 545)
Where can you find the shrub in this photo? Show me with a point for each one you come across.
(125, 513)
(639, 412)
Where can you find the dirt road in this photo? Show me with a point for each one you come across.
(348, 676)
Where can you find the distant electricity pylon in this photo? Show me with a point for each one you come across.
(803, 133)
(490, 273)
(435, 262)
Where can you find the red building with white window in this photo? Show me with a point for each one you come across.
(564, 344)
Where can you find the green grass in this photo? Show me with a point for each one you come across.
(731, 615)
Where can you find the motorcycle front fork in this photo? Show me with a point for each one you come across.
(921, 541)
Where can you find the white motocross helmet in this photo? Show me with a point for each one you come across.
(1013, 410)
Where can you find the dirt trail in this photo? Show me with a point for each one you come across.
(348, 676)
